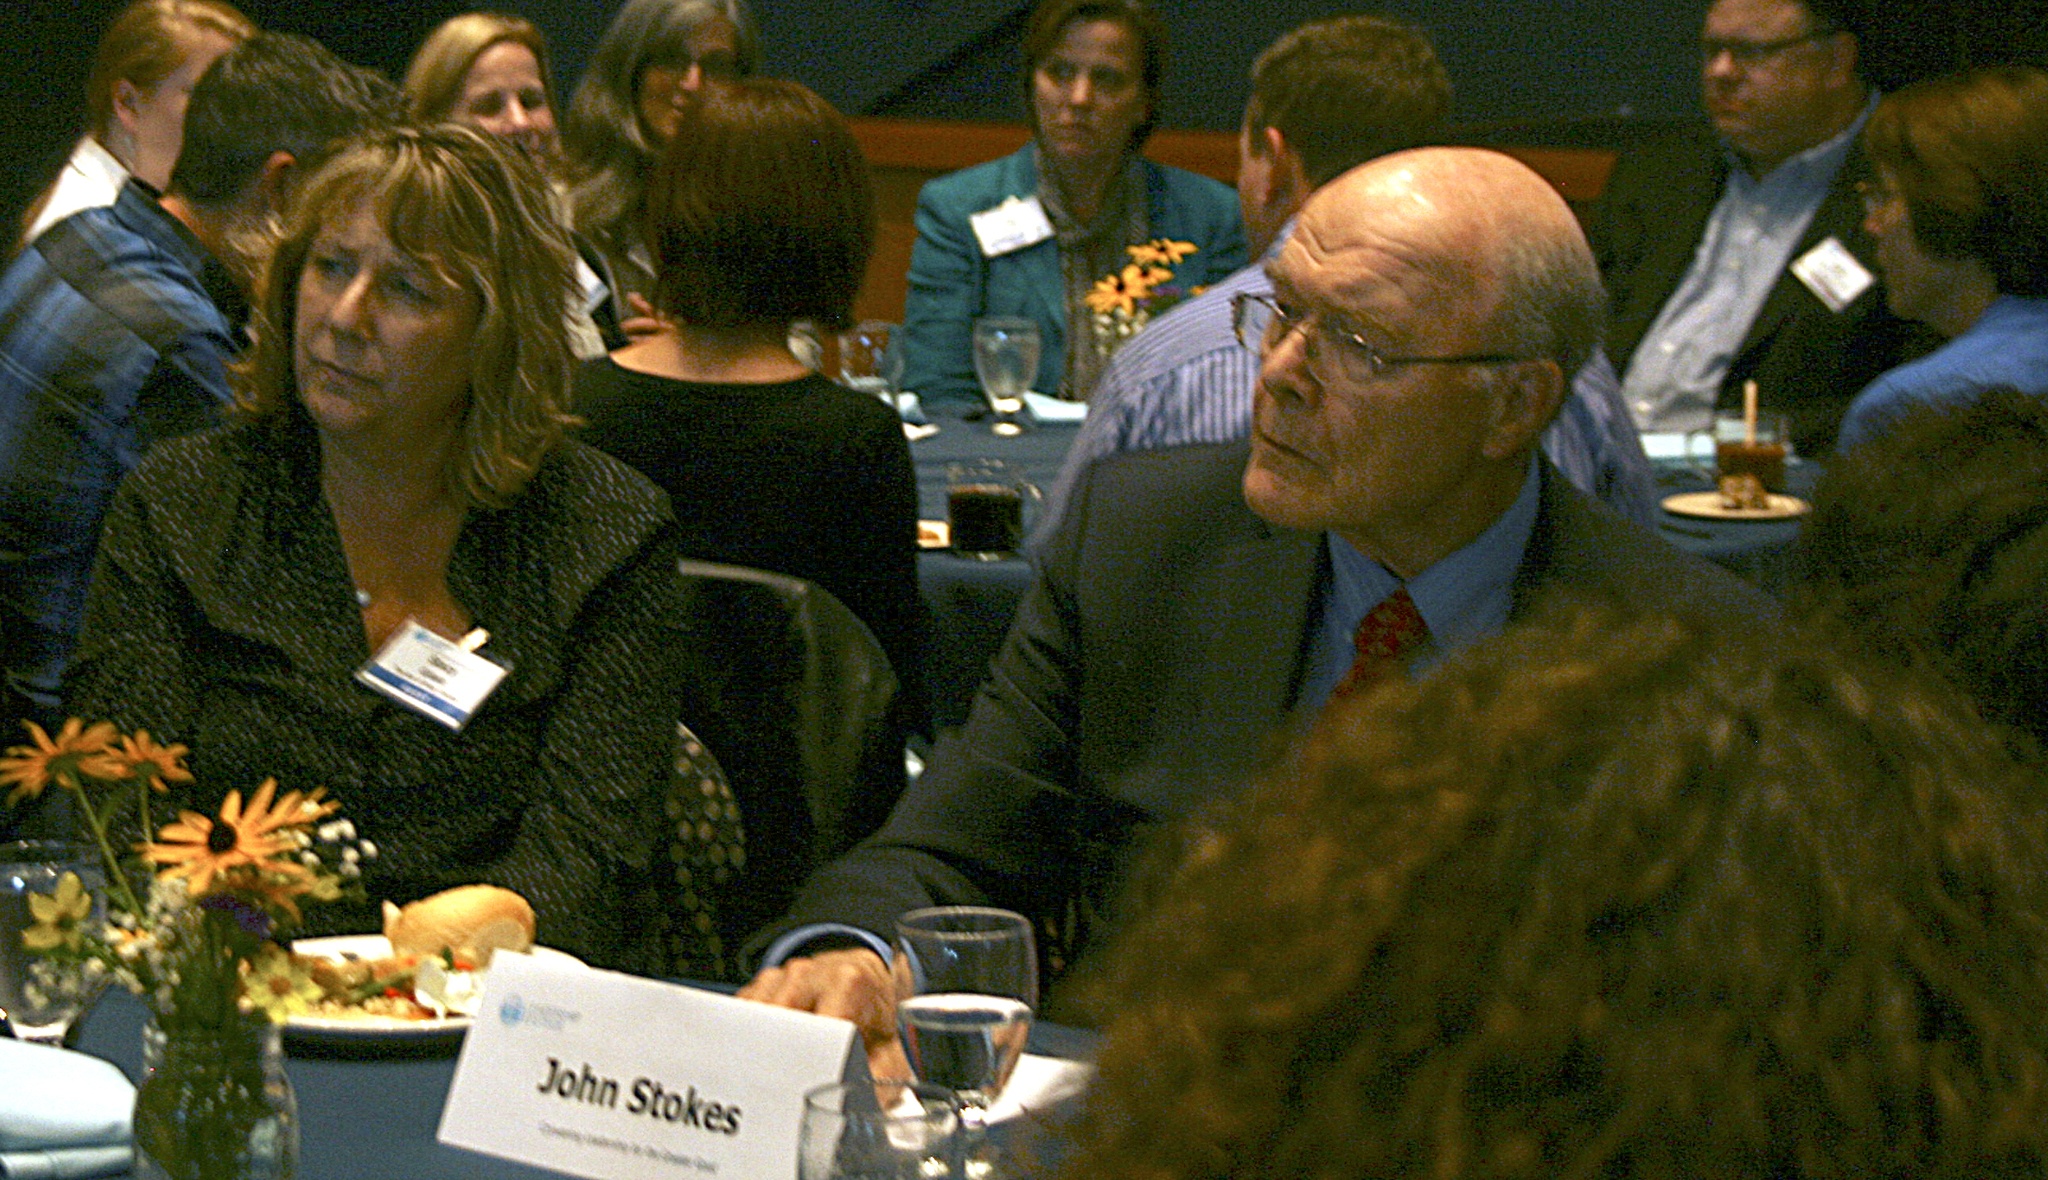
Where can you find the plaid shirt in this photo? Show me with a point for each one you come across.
(112, 336)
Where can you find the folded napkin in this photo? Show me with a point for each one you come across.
(62, 1114)
(67, 1163)
(910, 408)
(1053, 409)
(1039, 1084)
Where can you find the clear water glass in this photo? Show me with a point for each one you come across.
(969, 978)
(40, 996)
(888, 1130)
(1006, 361)
(871, 359)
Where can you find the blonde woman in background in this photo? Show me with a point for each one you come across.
(142, 78)
(489, 70)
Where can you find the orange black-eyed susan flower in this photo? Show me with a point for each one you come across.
(200, 849)
(141, 756)
(78, 750)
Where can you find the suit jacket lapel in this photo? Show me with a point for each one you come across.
(1034, 270)
(1840, 216)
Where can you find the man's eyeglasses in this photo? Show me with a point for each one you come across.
(1752, 53)
(1334, 355)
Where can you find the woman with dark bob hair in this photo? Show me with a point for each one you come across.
(400, 466)
(1091, 86)
(1611, 897)
(648, 68)
(760, 214)
(1960, 214)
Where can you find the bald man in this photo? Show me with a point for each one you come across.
(1391, 507)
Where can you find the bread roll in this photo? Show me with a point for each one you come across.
(471, 922)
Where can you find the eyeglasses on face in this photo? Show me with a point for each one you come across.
(1754, 53)
(1335, 355)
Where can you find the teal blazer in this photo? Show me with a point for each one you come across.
(952, 283)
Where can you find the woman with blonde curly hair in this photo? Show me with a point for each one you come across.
(399, 482)
(142, 76)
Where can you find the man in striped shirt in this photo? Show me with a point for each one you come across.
(1326, 97)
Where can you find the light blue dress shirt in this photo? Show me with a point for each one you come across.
(1464, 598)
(1676, 372)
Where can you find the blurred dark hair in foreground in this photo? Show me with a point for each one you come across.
(1609, 897)
(1928, 546)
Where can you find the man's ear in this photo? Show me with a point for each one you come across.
(1527, 395)
(274, 181)
(127, 98)
(1290, 178)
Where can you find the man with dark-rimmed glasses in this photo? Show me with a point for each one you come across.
(1739, 254)
(1390, 508)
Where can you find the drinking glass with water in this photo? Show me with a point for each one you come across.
(970, 978)
(1006, 361)
(40, 997)
(871, 359)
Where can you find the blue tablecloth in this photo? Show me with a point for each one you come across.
(375, 1117)
(968, 602)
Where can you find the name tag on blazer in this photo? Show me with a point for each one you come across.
(1832, 273)
(1016, 223)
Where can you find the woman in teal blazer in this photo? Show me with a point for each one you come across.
(1092, 83)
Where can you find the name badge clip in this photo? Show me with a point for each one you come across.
(434, 677)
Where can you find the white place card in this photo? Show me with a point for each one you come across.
(610, 1076)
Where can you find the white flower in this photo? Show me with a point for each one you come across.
(369, 850)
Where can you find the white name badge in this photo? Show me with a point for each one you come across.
(612, 1076)
(1832, 273)
(1016, 223)
(432, 676)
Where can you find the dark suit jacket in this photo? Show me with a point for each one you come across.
(1805, 359)
(1157, 656)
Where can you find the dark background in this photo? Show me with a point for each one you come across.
(1530, 70)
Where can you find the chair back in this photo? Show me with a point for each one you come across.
(795, 697)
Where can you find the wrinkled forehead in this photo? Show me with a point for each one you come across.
(403, 207)
(1383, 255)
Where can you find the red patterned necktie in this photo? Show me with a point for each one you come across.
(1385, 637)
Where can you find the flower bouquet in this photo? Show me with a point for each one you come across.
(1121, 304)
(196, 922)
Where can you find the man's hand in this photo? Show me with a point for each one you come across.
(852, 984)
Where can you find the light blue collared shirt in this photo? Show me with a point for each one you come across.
(1464, 598)
(1676, 372)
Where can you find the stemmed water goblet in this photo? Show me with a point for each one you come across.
(871, 359)
(40, 996)
(1006, 361)
(968, 976)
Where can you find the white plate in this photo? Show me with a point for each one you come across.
(1707, 506)
(379, 1028)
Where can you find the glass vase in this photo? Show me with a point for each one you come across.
(215, 1103)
